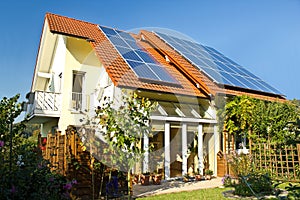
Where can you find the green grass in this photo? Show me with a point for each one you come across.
(214, 193)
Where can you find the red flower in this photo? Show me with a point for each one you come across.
(43, 148)
(44, 141)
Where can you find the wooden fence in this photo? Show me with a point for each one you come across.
(69, 157)
(281, 162)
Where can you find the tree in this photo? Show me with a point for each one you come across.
(9, 110)
(261, 121)
(124, 126)
(274, 122)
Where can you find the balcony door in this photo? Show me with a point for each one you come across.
(77, 90)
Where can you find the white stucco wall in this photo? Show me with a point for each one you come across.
(44, 59)
(57, 65)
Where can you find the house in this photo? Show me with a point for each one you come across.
(78, 63)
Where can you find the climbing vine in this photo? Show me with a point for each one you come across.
(260, 120)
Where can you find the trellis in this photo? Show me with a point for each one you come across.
(282, 162)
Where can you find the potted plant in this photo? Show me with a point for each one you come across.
(198, 176)
(135, 179)
(156, 178)
(208, 174)
(186, 178)
(145, 178)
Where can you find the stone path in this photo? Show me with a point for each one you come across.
(174, 186)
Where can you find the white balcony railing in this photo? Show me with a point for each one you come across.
(80, 102)
(76, 101)
(45, 103)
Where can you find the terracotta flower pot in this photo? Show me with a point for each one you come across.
(135, 179)
(157, 179)
(198, 177)
(145, 179)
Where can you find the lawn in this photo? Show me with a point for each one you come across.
(214, 193)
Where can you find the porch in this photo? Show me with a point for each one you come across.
(184, 140)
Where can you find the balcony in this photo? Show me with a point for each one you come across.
(77, 102)
(43, 105)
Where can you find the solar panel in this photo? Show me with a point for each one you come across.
(143, 65)
(219, 68)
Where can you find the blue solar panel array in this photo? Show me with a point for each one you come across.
(218, 67)
(144, 66)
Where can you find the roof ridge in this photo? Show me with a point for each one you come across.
(57, 15)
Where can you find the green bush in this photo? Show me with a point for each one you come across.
(294, 191)
(240, 164)
(254, 184)
(227, 181)
(23, 172)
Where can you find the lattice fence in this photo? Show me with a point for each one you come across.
(281, 162)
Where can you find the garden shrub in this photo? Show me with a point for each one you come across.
(250, 182)
(258, 182)
(33, 180)
(23, 172)
(294, 191)
(240, 164)
(227, 181)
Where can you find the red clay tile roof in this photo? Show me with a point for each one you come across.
(199, 78)
(116, 67)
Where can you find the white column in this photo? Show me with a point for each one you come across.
(200, 149)
(146, 155)
(184, 148)
(216, 148)
(167, 150)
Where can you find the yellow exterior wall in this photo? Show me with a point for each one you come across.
(76, 62)
(65, 55)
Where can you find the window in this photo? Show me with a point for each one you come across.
(77, 90)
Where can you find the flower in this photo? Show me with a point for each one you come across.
(43, 148)
(68, 186)
(20, 157)
(13, 189)
(74, 182)
(227, 180)
(20, 164)
(1, 143)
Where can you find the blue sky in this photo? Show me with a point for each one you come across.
(261, 35)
